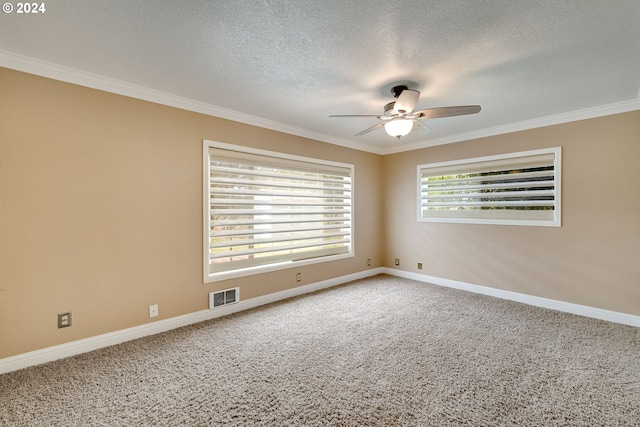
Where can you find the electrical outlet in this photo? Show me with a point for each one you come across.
(153, 310)
(397, 261)
(369, 262)
(298, 277)
(64, 320)
(419, 266)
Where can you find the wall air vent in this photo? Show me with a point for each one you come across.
(220, 298)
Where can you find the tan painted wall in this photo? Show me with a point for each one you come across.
(101, 211)
(101, 214)
(593, 259)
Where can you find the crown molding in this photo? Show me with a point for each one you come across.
(70, 75)
(573, 116)
(94, 81)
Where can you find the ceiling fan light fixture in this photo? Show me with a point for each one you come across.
(398, 128)
(400, 117)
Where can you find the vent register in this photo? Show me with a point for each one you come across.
(225, 297)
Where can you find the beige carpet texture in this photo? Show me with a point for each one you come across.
(382, 351)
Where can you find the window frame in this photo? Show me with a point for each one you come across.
(555, 221)
(208, 275)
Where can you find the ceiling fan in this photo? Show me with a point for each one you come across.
(399, 116)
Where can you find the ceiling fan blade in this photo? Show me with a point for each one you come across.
(420, 128)
(436, 113)
(371, 129)
(407, 101)
(355, 115)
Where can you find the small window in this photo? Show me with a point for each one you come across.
(266, 211)
(515, 189)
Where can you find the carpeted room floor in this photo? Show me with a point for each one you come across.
(382, 351)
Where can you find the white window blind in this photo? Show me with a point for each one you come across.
(265, 209)
(517, 188)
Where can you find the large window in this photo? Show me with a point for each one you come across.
(267, 210)
(516, 189)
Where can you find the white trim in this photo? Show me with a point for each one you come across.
(270, 153)
(475, 217)
(51, 70)
(572, 116)
(566, 307)
(208, 276)
(95, 81)
(73, 348)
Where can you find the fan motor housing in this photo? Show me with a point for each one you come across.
(389, 110)
(397, 90)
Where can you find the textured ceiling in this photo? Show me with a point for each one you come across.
(288, 65)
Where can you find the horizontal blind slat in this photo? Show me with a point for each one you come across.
(258, 240)
(464, 177)
(496, 203)
(276, 221)
(259, 231)
(255, 251)
(240, 169)
(490, 196)
(431, 189)
(283, 183)
(232, 192)
(280, 203)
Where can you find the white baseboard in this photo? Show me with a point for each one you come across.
(49, 354)
(73, 348)
(567, 307)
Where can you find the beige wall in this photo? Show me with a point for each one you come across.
(593, 259)
(101, 211)
(101, 214)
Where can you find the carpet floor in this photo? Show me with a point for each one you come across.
(382, 351)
